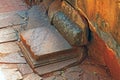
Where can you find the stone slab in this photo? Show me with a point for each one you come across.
(11, 20)
(61, 56)
(8, 34)
(12, 58)
(44, 40)
(10, 47)
(54, 67)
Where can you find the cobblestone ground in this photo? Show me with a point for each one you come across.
(13, 66)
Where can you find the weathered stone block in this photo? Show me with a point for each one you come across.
(77, 18)
(70, 30)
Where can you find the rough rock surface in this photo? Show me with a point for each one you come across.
(105, 32)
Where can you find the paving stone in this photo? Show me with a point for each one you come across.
(24, 69)
(9, 47)
(8, 34)
(11, 74)
(53, 67)
(12, 58)
(32, 76)
(11, 20)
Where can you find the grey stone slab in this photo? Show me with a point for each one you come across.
(10, 47)
(11, 20)
(8, 34)
(12, 58)
(44, 40)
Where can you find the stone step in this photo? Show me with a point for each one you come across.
(42, 45)
(43, 40)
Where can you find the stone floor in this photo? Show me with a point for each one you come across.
(13, 66)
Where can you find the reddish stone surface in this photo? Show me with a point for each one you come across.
(104, 55)
(104, 16)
